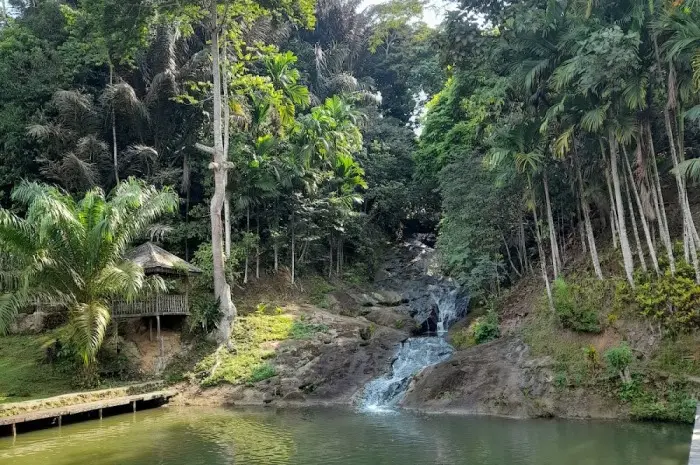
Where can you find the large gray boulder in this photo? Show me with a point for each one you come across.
(28, 323)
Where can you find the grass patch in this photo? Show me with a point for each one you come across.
(678, 356)
(673, 404)
(23, 373)
(250, 335)
(303, 330)
(545, 337)
(262, 372)
(318, 290)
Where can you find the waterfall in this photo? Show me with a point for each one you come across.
(386, 392)
(446, 303)
(414, 354)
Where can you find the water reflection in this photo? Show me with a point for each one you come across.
(194, 436)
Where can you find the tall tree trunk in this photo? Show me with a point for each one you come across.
(645, 223)
(339, 257)
(587, 220)
(222, 290)
(257, 244)
(330, 255)
(556, 260)
(247, 249)
(691, 240)
(627, 257)
(635, 229)
(543, 259)
(523, 244)
(690, 233)
(275, 238)
(114, 127)
(293, 249)
(581, 229)
(226, 130)
(227, 231)
(510, 257)
(659, 202)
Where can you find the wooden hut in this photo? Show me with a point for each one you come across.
(157, 261)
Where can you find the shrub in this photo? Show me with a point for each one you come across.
(481, 330)
(670, 299)
(675, 406)
(619, 359)
(460, 339)
(576, 306)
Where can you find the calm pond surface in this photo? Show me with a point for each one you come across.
(194, 436)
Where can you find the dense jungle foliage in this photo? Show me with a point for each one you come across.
(295, 134)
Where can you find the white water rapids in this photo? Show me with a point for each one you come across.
(385, 393)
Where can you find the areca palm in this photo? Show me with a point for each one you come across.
(71, 253)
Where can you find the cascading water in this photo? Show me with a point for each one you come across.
(415, 354)
(386, 392)
(446, 303)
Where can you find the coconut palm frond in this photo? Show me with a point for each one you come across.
(88, 325)
(689, 169)
(122, 98)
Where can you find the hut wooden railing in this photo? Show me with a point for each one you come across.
(162, 304)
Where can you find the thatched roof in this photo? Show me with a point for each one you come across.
(154, 259)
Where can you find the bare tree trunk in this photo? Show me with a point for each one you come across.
(587, 221)
(339, 257)
(293, 249)
(691, 240)
(581, 229)
(257, 244)
(526, 258)
(543, 259)
(247, 250)
(645, 224)
(222, 290)
(510, 257)
(556, 260)
(659, 202)
(226, 130)
(520, 250)
(330, 256)
(627, 258)
(227, 231)
(114, 127)
(635, 230)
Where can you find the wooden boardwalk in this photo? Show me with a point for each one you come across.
(695, 442)
(59, 413)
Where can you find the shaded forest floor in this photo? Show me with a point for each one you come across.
(23, 373)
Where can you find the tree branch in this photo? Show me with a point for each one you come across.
(204, 148)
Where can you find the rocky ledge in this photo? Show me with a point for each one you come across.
(501, 378)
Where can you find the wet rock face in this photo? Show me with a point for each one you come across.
(411, 281)
(502, 378)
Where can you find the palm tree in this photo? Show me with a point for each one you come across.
(71, 252)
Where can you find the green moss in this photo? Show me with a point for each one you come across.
(249, 338)
(23, 373)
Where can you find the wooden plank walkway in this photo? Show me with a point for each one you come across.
(96, 406)
(695, 441)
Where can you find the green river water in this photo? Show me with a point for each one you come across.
(194, 436)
